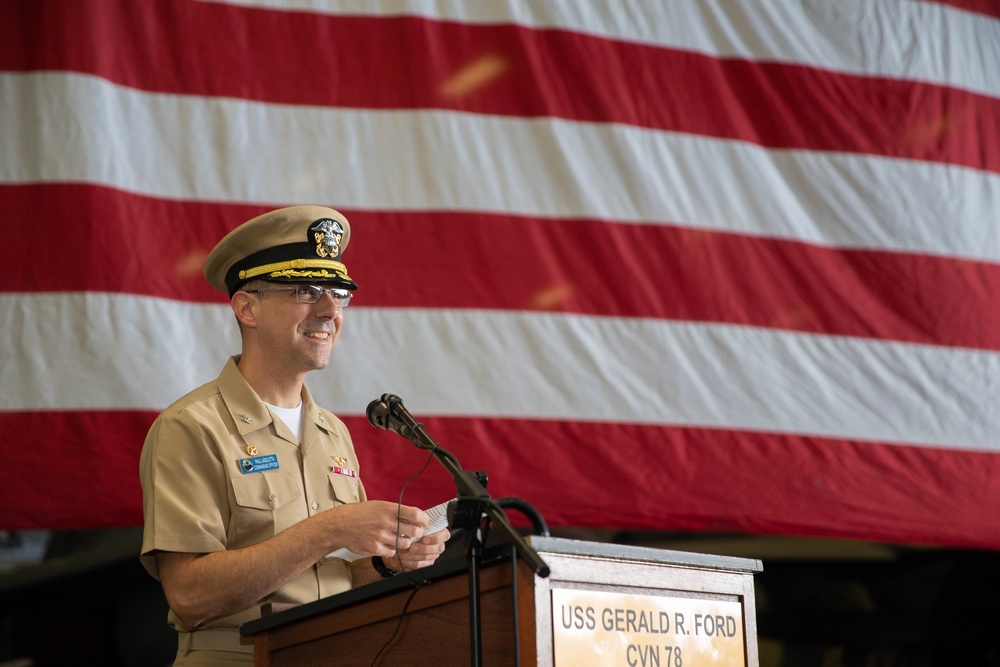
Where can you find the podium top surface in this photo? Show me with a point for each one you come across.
(446, 567)
(558, 545)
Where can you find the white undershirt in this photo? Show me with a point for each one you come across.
(291, 416)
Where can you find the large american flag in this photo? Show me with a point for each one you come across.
(686, 265)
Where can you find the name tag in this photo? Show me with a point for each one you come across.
(258, 463)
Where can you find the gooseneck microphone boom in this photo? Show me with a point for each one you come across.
(473, 503)
(389, 413)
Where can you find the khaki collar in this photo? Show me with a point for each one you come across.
(250, 414)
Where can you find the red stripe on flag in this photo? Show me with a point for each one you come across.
(71, 470)
(984, 7)
(496, 69)
(647, 477)
(140, 245)
(76, 237)
(80, 469)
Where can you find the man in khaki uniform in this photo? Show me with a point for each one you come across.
(248, 485)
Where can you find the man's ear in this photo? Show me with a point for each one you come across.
(245, 307)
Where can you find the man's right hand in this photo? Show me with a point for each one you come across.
(374, 527)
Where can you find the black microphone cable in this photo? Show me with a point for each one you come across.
(399, 508)
(399, 624)
(417, 584)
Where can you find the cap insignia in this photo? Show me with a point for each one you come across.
(326, 234)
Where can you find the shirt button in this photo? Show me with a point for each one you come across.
(315, 505)
(272, 497)
(322, 561)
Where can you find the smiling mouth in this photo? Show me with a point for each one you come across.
(318, 335)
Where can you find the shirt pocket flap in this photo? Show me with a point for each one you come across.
(345, 489)
(266, 491)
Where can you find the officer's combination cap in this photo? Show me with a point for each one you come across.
(294, 244)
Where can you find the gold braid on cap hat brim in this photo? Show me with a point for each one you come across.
(294, 269)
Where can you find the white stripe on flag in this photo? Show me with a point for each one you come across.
(125, 139)
(143, 353)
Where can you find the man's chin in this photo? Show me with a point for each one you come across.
(319, 362)
(322, 361)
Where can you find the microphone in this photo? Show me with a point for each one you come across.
(387, 413)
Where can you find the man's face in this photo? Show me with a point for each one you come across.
(297, 337)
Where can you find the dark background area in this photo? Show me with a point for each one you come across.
(82, 595)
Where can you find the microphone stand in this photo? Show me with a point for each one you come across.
(473, 503)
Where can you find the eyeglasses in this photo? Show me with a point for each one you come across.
(311, 293)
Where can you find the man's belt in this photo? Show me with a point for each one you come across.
(212, 639)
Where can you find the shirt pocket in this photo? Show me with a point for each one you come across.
(344, 489)
(266, 504)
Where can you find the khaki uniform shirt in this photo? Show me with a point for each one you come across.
(219, 472)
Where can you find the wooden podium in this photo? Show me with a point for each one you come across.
(603, 604)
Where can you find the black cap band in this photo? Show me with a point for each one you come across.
(288, 263)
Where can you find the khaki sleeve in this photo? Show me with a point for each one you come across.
(184, 489)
